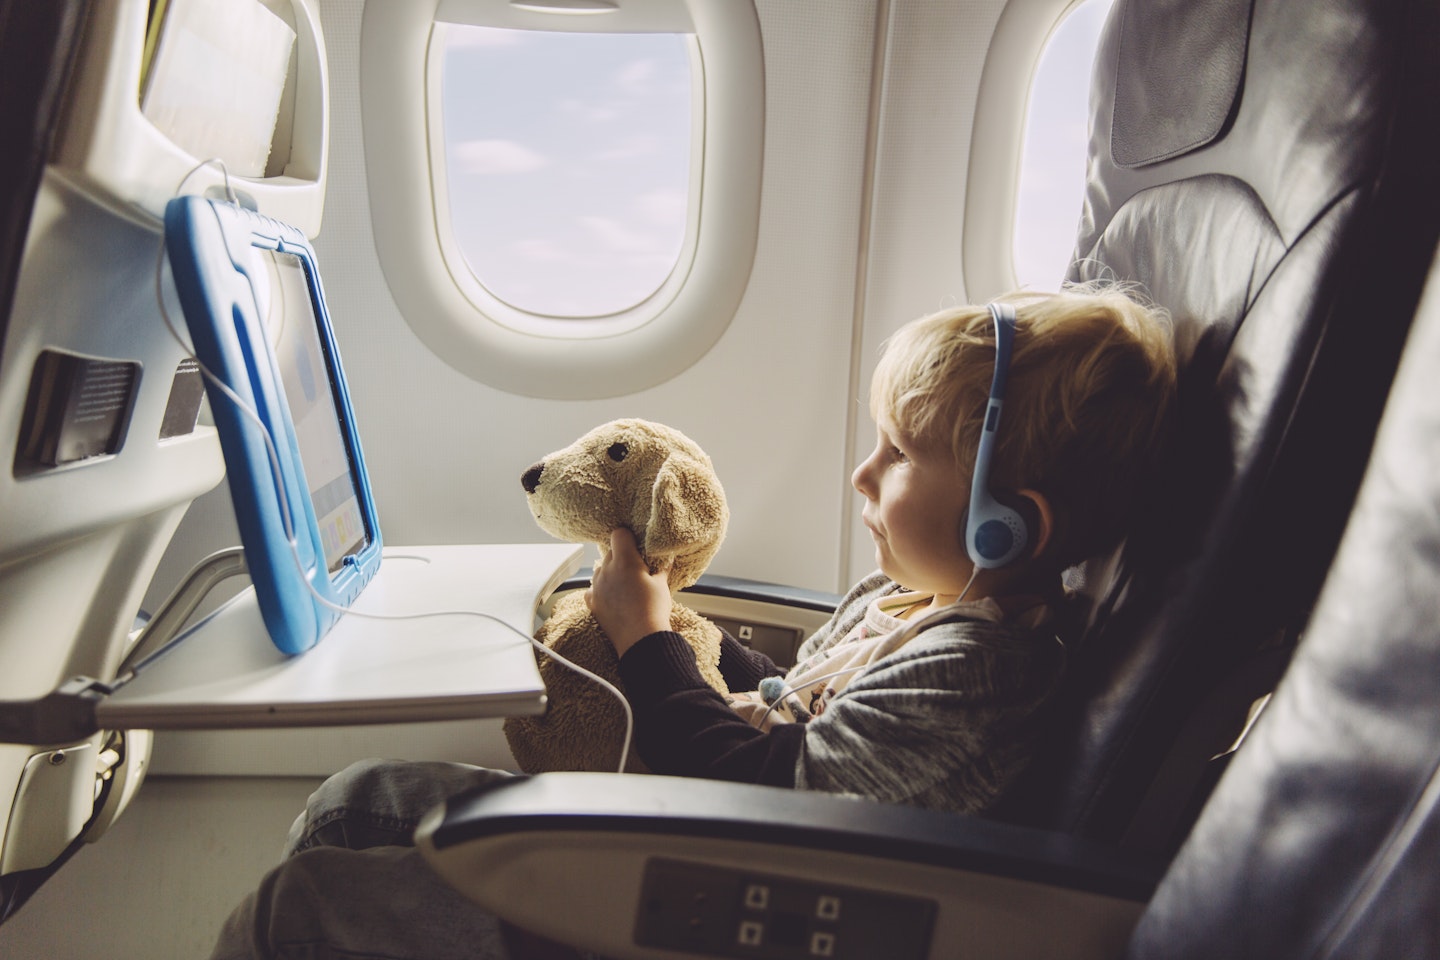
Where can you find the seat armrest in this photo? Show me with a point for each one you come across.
(761, 591)
(772, 618)
(738, 588)
(645, 866)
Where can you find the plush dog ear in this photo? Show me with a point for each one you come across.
(688, 517)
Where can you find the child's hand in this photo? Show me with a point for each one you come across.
(627, 599)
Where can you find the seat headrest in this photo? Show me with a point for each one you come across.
(1177, 78)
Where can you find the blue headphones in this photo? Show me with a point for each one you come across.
(994, 533)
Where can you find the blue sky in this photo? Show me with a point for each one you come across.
(1052, 167)
(569, 163)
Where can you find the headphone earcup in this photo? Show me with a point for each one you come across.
(995, 534)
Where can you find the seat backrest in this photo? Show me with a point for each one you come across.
(1322, 837)
(37, 55)
(91, 490)
(1264, 170)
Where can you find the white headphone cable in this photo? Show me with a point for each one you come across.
(287, 518)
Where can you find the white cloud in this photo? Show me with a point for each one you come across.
(498, 156)
(636, 76)
(631, 148)
(592, 111)
(664, 207)
(655, 265)
(617, 237)
(542, 251)
(469, 36)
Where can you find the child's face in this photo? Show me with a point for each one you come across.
(915, 501)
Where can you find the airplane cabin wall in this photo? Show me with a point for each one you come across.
(854, 208)
(863, 201)
(770, 401)
(934, 55)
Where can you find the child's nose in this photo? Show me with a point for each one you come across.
(860, 479)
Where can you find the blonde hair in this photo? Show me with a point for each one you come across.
(1087, 402)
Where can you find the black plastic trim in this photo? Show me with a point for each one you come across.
(667, 806)
(739, 588)
(38, 51)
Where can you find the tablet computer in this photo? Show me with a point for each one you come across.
(252, 299)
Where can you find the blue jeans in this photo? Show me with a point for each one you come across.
(353, 887)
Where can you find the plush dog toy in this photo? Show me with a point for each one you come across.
(656, 482)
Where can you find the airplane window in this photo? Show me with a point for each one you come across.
(535, 182)
(567, 163)
(1052, 167)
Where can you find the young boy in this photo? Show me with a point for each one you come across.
(925, 687)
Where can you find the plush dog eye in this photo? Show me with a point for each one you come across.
(618, 451)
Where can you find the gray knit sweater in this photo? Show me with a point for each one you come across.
(944, 722)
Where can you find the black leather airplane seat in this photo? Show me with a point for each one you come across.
(1322, 838)
(37, 53)
(1265, 169)
(38, 44)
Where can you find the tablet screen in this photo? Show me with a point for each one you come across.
(323, 450)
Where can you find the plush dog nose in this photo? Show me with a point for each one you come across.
(531, 480)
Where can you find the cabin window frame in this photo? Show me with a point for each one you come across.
(526, 353)
(1022, 33)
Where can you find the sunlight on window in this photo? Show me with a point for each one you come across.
(567, 164)
(1052, 166)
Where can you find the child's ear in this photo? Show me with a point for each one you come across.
(1035, 507)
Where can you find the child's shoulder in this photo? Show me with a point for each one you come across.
(975, 655)
(869, 589)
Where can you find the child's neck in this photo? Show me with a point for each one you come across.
(1022, 590)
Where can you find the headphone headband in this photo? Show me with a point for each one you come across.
(994, 533)
(1004, 316)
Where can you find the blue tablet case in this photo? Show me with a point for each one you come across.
(245, 280)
